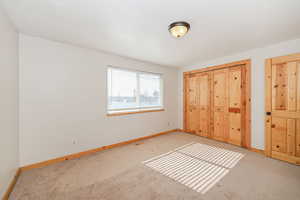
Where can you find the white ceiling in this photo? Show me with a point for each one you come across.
(139, 28)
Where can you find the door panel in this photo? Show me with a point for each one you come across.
(198, 104)
(219, 124)
(298, 138)
(204, 121)
(220, 104)
(291, 137)
(279, 92)
(235, 101)
(292, 86)
(235, 136)
(235, 87)
(220, 88)
(279, 131)
(283, 140)
(204, 103)
(192, 124)
(298, 86)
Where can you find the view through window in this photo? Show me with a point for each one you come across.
(133, 90)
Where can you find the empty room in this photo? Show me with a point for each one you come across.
(149, 100)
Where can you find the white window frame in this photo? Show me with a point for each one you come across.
(135, 109)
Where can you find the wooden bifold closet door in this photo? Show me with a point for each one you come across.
(219, 105)
(198, 107)
(216, 103)
(282, 102)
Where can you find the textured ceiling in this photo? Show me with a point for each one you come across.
(139, 28)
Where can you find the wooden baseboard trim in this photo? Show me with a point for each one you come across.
(185, 131)
(250, 148)
(135, 112)
(91, 151)
(257, 150)
(11, 185)
(284, 157)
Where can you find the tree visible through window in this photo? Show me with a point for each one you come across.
(133, 90)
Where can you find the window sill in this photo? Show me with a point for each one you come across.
(133, 112)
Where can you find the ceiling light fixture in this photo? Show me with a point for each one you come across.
(179, 29)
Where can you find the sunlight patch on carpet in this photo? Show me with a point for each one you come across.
(197, 166)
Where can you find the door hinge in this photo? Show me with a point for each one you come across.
(268, 113)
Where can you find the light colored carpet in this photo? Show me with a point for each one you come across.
(119, 174)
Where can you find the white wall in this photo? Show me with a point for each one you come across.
(63, 98)
(257, 57)
(9, 159)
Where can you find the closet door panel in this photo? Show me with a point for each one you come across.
(219, 126)
(235, 82)
(291, 137)
(235, 129)
(204, 104)
(220, 104)
(192, 107)
(235, 98)
(298, 138)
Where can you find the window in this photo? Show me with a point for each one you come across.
(132, 91)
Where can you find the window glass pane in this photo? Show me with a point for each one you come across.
(122, 89)
(150, 94)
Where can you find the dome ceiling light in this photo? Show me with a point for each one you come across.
(179, 29)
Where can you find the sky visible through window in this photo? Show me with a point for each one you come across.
(129, 89)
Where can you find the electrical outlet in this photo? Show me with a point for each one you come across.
(169, 123)
(74, 141)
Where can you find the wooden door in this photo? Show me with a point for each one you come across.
(235, 105)
(283, 108)
(198, 104)
(219, 129)
(192, 103)
(204, 104)
(217, 103)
